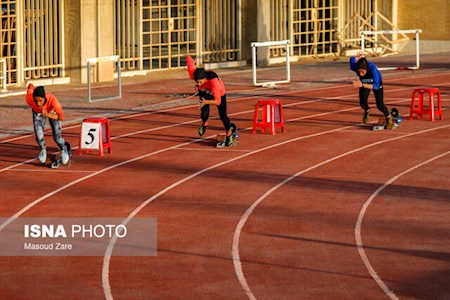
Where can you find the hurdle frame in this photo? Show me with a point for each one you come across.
(254, 45)
(114, 58)
(4, 76)
(397, 31)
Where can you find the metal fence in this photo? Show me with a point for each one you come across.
(32, 39)
(314, 27)
(43, 39)
(127, 29)
(8, 30)
(158, 34)
(310, 25)
(221, 30)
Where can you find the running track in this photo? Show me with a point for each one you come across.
(327, 210)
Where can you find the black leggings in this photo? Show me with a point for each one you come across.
(379, 98)
(204, 115)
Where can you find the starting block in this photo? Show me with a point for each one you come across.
(382, 125)
(222, 137)
(396, 120)
(95, 135)
(220, 140)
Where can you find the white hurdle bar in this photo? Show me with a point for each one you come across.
(416, 31)
(4, 75)
(267, 44)
(114, 58)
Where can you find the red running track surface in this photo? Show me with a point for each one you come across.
(327, 210)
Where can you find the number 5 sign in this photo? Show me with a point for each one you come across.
(90, 135)
(94, 135)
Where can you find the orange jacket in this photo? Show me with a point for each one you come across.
(52, 104)
(214, 85)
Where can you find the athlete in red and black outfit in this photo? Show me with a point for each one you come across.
(211, 91)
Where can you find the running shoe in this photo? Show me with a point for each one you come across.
(389, 122)
(201, 130)
(64, 157)
(229, 141)
(43, 156)
(366, 117)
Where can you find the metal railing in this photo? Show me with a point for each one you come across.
(4, 76)
(43, 36)
(9, 49)
(127, 29)
(221, 30)
(314, 27)
(153, 35)
(280, 15)
(310, 25)
(158, 34)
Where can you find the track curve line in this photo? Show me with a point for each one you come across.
(236, 237)
(110, 248)
(235, 247)
(187, 122)
(140, 111)
(39, 200)
(358, 226)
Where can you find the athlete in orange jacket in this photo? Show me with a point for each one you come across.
(211, 91)
(45, 105)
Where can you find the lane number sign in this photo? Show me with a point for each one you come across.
(90, 136)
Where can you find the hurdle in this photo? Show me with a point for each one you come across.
(94, 60)
(285, 43)
(394, 32)
(4, 76)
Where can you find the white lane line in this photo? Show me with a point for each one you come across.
(358, 226)
(333, 86)
(28, 161)
(167, 126)
(37, 201)
(193, 121)
(81, 179)
(136, 132)
(139, 114)
(109, 250)
(235, 246)
(210, 149)
(58, 170)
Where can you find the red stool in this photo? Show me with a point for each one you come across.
(272, 116)
(89, 137)
(420, 110)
